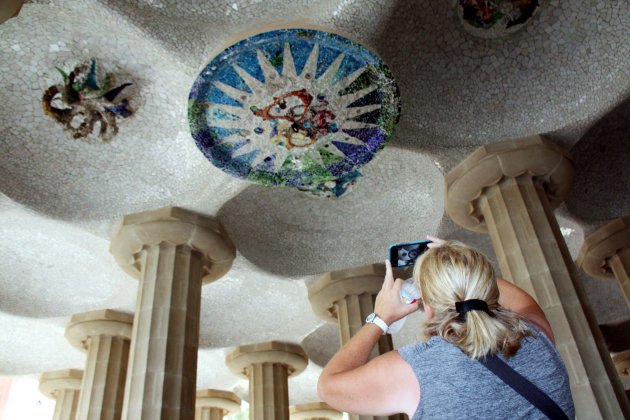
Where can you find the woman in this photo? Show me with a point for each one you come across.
(469, 314)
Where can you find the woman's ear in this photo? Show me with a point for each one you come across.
(428, 311)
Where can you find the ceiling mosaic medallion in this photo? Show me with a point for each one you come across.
(298, 108)
(86, 107)
(496, 18)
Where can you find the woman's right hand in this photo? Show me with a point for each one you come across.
(389, 304)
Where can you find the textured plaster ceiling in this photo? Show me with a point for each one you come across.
(566, 73)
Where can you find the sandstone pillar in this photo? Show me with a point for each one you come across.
(315, 411)
(213, 404)
(172, 252)
(64, 386)
(105, 335)
(268, 367)
(346, 298)
(622, 362)
(606, 253)
(510, 189)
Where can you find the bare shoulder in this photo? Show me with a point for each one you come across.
(543, 325)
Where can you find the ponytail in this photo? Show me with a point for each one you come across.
(453, 274)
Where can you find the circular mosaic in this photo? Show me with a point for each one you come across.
(300, 108)
(496, 18)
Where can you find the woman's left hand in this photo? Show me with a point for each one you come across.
(389, 305)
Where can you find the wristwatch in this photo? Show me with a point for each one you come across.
(376, 320)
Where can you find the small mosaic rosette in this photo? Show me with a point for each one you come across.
(299, 108)
(86, 107)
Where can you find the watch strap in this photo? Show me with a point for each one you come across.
(373, 318)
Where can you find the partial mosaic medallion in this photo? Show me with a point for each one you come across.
(496, 18)
(299, 108)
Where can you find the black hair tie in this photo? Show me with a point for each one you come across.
(471, 305)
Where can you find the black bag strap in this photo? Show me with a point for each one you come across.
(528, 390)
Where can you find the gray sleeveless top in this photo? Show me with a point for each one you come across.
(453, 386)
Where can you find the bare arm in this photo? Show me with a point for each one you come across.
(515, 299)
(386, 384)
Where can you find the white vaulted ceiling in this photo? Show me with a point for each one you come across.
(566, 74)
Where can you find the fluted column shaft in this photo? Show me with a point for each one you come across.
(104, 335)
(509, 189)
(268, 366)
(214, 404)
(268, 391)
(171, 251)
(64, 387)
(162, 377)
(209, 413)
(531, 253)
(105, 374)
(67, 404)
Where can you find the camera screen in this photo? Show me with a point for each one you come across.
(403, 255)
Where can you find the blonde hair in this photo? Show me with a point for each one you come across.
(453, 273)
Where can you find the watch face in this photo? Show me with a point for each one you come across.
(370, 317)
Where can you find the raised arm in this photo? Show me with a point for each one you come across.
(386, 384)
(515, 299)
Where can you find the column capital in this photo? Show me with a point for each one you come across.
(227, 401)
(51, 382)
(288, 354)
(533, 156)
(601, 245)
(105, 322)
(335, 285)
(314, 410)
(176, 226)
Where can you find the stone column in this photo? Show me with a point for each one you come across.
(172, 252)
(315, 411)
(510, 189)
(105, 335)
(346, 298)
(606, 253)
(213, 404)
(268, 367)
(64, 386)
(622, 362)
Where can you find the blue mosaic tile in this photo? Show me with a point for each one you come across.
(297, 108)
